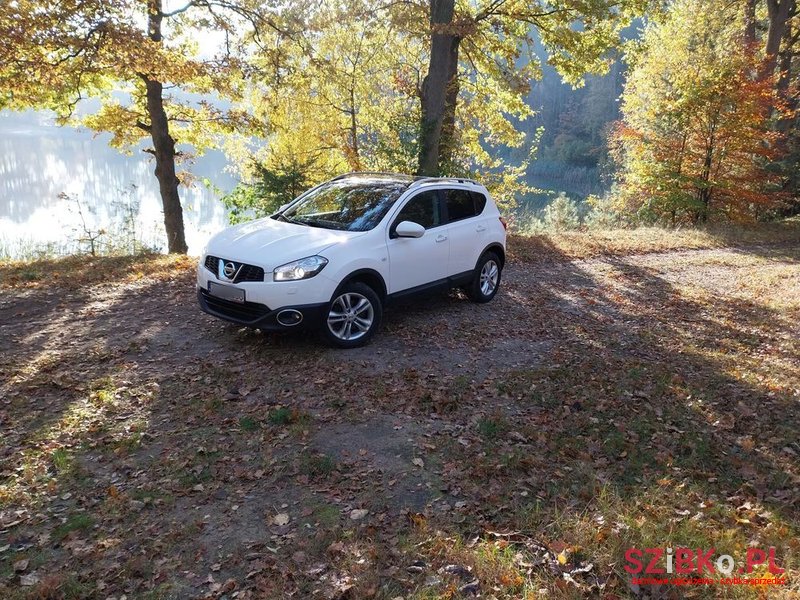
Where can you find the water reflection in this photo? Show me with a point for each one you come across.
(39, 162)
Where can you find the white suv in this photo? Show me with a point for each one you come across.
(333, 257)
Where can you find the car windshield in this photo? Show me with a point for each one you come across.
(348, 205)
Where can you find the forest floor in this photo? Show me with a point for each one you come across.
(609, 398)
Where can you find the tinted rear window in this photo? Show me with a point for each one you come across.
(463, 204)
(460, 204)
(480, 202)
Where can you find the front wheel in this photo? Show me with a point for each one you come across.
(486, 280)
(353, 316)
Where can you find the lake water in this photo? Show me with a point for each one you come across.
(39, 161)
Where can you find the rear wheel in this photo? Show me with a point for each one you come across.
(353, 316)
(486, 280)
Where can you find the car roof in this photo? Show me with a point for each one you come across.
(410, 180)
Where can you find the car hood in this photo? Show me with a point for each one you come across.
(270, 243)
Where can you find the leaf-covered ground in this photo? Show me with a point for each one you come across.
(510, 450)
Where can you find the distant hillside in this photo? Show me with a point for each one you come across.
(572, 153)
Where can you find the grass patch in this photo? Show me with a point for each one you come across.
(62, 461)
(103, 391)
(77, 522)
(283, 416)
(316, 466)
(152, 496)
(248, 424)
(491, 428)
(280, 416)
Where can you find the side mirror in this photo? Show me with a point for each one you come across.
(409, 229)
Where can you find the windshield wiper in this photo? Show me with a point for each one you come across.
(311, 223)
(288, 219)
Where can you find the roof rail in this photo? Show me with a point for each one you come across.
(357, 173)
(416, 180)
(423, 180)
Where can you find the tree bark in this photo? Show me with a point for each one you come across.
(433, 95)
(786, 120)
(355, 158)
(704, 194)
(447, 141)
(778, 11)
(785, 65)
(163, 144)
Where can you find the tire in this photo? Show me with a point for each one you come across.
(354, 315)
(486, 280)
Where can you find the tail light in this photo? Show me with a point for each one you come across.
(505, 224)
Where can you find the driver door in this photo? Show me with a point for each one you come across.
(417, 262)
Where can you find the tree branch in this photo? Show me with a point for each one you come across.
(178, 11)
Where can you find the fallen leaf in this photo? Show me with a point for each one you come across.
(280, 519)
(358, 514)
(21, 565)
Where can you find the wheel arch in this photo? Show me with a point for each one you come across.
(497, 248)
(368, 277)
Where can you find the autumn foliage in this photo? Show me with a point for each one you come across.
(695, 141)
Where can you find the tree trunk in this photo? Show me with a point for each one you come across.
(447, 141)
(164, 145)
(705, 191)
(433, 95)
(353, 151)
(778, 11)
(785, 65)
(164, 152)
(750, 22)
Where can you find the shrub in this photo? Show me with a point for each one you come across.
(603, 213)
(561, 214)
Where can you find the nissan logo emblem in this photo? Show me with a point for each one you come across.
(229, 269)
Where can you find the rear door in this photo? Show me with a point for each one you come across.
(467, 231)
(415, 262)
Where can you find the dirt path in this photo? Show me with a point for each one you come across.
(150, 449)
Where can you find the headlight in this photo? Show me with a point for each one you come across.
(299, 269)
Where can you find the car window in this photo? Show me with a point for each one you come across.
(460, 205)
(480, 202)
(422, 209)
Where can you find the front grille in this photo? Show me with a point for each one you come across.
(251, 273)
(212, 264)
(246, 272)
(245, 312)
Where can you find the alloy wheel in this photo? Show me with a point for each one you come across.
(351, 316)
(490, 273)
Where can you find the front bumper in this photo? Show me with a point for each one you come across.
(260, 316)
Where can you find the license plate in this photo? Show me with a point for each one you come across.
(226, 292)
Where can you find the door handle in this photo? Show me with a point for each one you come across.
(441, 238)
(480, 229)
